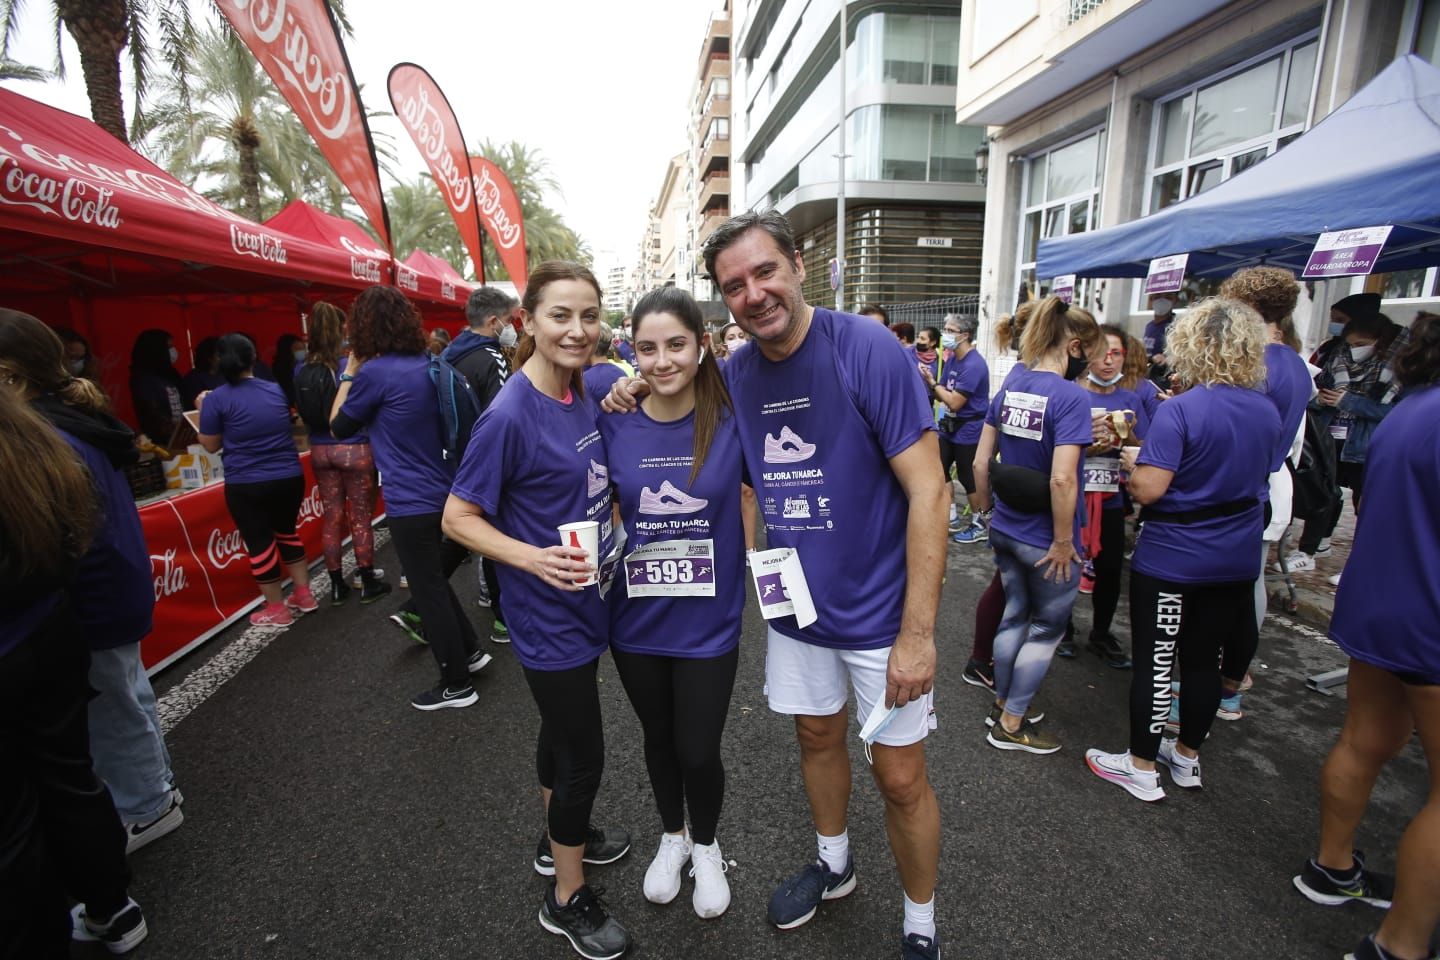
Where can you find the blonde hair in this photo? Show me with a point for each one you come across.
(1218, 341)
(1008, 329)
(1053, 324)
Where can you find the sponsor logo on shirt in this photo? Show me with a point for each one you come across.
(771, 588)
(669, 500)
(597, 479)
(788, 447)
(797, 508)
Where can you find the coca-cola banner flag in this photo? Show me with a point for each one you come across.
(298, 44)
(426, 114)
(501, 215)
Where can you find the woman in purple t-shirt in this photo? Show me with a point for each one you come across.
(534, 463)
(264, 484)
(1200, 476)
(1039, 423)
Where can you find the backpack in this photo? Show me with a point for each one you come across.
(459, 410)
(314, 395)
(1314, 475)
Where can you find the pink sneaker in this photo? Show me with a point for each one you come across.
(302, 601)
(272, 615)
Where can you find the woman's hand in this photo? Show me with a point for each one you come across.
(1101, 433)
(624, 395)
(1330, 398)
(926, 374)
(1058, 560)
(560, 566)
(200, 398)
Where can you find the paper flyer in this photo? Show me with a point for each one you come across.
(605, 576)
(780, 585)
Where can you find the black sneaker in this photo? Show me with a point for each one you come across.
(121, 934)
(339, 589)
(372, 590)
(586, 923)
(1066, 649)
(441, 697)
(1107, 647)
(603, 845)
(1332, 888)
(795, 901)
(477, 661)
(916, 947)
(979, 674)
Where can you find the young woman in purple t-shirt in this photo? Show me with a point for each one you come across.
(1200, 476)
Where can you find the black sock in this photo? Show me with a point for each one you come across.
(337, 577)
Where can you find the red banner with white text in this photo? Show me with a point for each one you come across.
(503, 219)
(299, 45)
(426, 115)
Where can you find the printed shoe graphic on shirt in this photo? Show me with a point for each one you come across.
(669, 500)
(597, 479)
(787, 448)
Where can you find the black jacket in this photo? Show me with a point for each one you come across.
(482, 362)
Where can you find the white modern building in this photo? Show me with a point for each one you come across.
(914, 205)
(1102, 111)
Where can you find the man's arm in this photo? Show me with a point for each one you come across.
(911, 673)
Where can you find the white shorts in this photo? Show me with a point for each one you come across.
(808, 680)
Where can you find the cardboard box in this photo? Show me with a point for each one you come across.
(211, 460)
(186, 472)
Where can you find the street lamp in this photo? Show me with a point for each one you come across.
(982, 161)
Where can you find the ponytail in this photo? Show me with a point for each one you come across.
(237, 357)
(1053, 324)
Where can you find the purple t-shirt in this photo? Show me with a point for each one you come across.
(1288, 385)
(1035, 412)
(1118, 399)
(1388, 604)
(599, 379)
(535, 463)
(971, 376)
(1218, 441)
(252, 418)
(1149, 395)
(393, 396)
(817, 430)
(650, 471)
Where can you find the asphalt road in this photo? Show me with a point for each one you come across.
(326, 818)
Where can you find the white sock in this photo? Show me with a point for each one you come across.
(835, 851)
(920, 917)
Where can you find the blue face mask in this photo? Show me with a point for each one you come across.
(949, 341)
(1336, 328)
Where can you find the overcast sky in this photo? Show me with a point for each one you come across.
(600, 88)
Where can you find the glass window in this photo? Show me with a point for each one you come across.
(1405, 284)
(1237, 108)
(1079, 217)
(944, 54)
(1174, 130)
(1062, 192)
(1028, 250)
(905, 146)
(1427, 38)
(1036, 192)
(1205, 175)
(1072, 168)
(901, 47)
(1297, 88)
(907, 143)
(1054, 222)
(1247, 160)
(906, 40)
(1165, 189)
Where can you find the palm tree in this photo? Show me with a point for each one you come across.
(419, 219)
(10, 70)
(546, 235)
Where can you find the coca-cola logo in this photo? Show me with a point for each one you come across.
(406, 278)
(487, 197)
(428, 129)
(170, 579)
(371, 253)
(224, 548)
(365, 270)
(327, 97)
(69, 199)
(254, 244)
(447, 289)
(311, 508)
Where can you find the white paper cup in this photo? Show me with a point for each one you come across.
(584, 534)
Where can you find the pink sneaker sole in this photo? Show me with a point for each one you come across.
(307, 605)
(266, 617)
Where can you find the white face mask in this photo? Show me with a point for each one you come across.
(507, 336)
(300, 355)
(1106, 383)
(174, 355)
(1361, 354)
(1163, 305)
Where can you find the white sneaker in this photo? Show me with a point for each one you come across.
(1119, 769)
(712, 890)
(1323, 547)
(1184, 771)
(662, 878)
(1297, 562)
(1333, 579)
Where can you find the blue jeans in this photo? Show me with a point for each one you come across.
(1036, 611)
(125, 737)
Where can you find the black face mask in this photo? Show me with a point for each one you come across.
(1075, 366)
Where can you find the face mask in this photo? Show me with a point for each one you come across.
(949, 341)
(174, 355)
(1361, 354)
(1075, 366)
(1106, 383)
(1336, 328)
(1163, 306)
(76, 367)
(508, 336)
(300, 355)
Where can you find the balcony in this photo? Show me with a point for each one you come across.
(716, 106)
(717, 35)
(712, 220)
(715, 148)
(713, 186)
(718, 65)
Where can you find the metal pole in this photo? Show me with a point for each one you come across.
(840, 160)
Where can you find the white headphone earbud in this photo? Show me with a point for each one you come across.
(702, 354)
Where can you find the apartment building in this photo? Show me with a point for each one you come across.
(1102, 111)
(709, 169)
(665, 251)
(914, 206)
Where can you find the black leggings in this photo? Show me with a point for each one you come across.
(682, 705)
(1196, 617)
(961, 456)
(428, 560)
(265, 512)
(570, 752)
(1108, 566)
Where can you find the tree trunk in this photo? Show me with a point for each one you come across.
(247, 142)
(101, 29)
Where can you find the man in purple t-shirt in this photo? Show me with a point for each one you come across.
(838, 435)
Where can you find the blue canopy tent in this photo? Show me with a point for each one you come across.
(1375, 161)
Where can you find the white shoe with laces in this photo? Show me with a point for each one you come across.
(712, 890)
(662, 878)
(1120, 769)
(1184, 771)
(1297, 562)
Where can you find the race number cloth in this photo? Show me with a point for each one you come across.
(968, 375)
(1117, 400)
(252, 418)
(1102, 474)
(392, 394)
(1035, 412)
(818, 429)
(781, 587)
(533, 463)
(1217, 441)
(681, 586)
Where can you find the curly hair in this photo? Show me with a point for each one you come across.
(1218, 341)
(382, 320)
(1269, 291)
(1137, 362)
(1419, 362)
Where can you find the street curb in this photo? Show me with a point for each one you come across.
(1311, 607)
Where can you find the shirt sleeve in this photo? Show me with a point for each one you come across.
(1072, 417)
(992, 416)
(1165, 443)
(889, 394)
(494, 457)
(363, 401)
(212, 415)
(968, 377)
